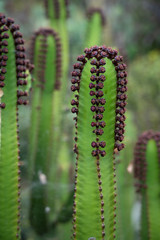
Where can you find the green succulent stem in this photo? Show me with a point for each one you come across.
(125, 193)
(98, 128)
(12, 75)
(96, 20)
(60, 99)
(146, 171)
(44, 142)
(57, 12)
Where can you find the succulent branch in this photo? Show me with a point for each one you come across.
(12, 79)
(56, 9)
(59, 23)
(125, 191)
(96, 20)
(100, 80)
(46, 51)
(146, 173)
(92, 11)
(52, 8)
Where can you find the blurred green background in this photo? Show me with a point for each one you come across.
(133, 28)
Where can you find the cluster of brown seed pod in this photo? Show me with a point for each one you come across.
(93, 10)
(140, 163)
(97, 56)
(97, 83)
(41, 67)
(98, 103)
(121, 103)
(7, 24)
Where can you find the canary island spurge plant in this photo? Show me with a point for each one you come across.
(96, 20)
(147, 182)
(46, 56)
(100, 80)
(12, 81)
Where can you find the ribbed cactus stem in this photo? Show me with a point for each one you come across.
(46, 56)
(12, 77)
(96, 20)
(100, 80)
(92, 11)
(57, 13)
(45, 72)
(146, 173)
(52, 9)
(56, 10)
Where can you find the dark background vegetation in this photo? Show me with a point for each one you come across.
(133, 27)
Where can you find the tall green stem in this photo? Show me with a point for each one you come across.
(146, 172)
(46, 57)
(100, 79)
(96, 20)
(12, 75)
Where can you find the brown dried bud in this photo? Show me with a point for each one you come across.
(92, 93)
(93, 70)
(91, 85)
(93, 78)
(81, 59)
(98, 131)
(99, 93)
(74, 110)
(100, 85)
(94, 144)
(93, 62)
(98, 116)
(103, 153)
(102, 144)
(101, 70)
(74, 102)
(2, 105)
(74, 80)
